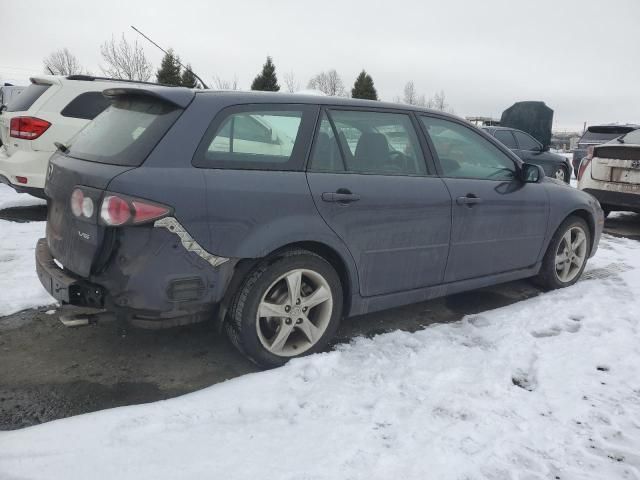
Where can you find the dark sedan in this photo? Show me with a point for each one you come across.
(531, 150)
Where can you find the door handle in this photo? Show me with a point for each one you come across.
(343, 196)
(469, 200)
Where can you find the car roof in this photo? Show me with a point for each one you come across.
(179, 96)
(278, 97)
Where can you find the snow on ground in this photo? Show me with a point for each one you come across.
(547, 388)
(19, 284)
(9, 198)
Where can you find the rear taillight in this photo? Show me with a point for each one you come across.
(120, 210)
(81, 205)
(590, 152)
(27, 128)
(583, 165)
(115, 211)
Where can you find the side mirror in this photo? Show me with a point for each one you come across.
(530, 173)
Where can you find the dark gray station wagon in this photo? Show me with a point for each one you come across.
(278, 214)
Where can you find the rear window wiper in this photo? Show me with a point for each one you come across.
(62, 147)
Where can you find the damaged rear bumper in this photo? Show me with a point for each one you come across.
(61, 285)
(151, 283)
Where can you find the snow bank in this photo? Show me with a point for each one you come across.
(19, 284)
(545, 388)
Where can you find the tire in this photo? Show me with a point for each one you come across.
(267, 288)
(549, 276)
(561, 173)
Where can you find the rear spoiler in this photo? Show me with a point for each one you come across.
(180, 97)
(45, 80)
(619, 129)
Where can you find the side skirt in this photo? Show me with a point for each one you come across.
(361, 305)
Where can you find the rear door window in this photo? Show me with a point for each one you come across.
(265, 137)
(86, 106)
(506, 138)
(369, 142)
(126, 132)
(326, 151)
(26, 98)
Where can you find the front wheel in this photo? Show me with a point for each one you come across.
(287, 307)
(566, 255)
(561, 174)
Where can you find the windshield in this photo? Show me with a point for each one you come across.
(125, 133)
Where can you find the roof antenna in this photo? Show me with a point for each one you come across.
(204, 85)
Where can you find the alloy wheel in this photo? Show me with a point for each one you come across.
(560, 174)
(294, 312)
(571, 254)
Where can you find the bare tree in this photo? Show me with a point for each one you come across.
(221, 84)
(292, 84)
(125, 60)
(328, 83)
(62, 62)
(439, 102)
(411, 96)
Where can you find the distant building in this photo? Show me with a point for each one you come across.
(565, 141)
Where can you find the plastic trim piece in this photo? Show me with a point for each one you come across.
(171, 224)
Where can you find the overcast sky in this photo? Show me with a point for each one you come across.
(578, 56)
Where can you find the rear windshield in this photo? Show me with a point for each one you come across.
(125, 133)
(601, 136)
(26, 98)
(86, 106)
(632, 138)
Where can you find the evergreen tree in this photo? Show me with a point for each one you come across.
(188, 79)
(364, 88)
(169, 71)
(267, 80)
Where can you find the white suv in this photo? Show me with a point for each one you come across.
(51, 110)
(611, 173)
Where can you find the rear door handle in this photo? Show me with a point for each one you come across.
(470, 200)
(341, 196)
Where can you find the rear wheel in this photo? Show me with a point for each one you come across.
(566, 255)
(288, 306)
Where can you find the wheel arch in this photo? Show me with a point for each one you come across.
(348, 278)
(344, 268)
(588, 218)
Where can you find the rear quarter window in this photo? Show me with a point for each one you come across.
(86, 106)
(124, 133)
(257, 137)
(26, 98)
